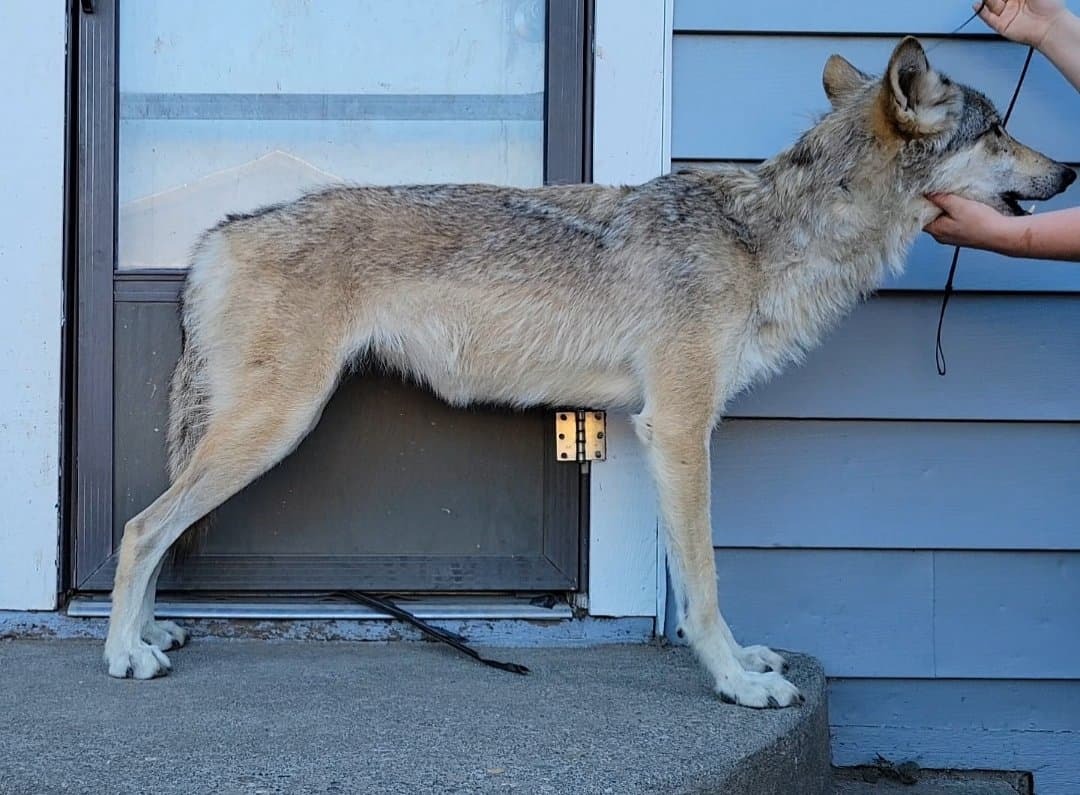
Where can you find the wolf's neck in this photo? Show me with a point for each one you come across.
(837, 212)
(831, 232)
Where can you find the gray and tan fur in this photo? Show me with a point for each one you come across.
(665, 299)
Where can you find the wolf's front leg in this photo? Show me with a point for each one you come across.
(679, 453)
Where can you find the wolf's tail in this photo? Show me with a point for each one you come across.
(188, 415)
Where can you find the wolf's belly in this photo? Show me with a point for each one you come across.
(540, 386)
(518, 377)
(533, 355)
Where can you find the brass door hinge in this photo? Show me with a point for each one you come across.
(580, 435)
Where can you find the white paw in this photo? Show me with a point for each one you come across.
(750, 689)
(760, 659)
(164, 634)
(141, 661)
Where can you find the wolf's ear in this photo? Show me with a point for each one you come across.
(920, 100)
(841, 79)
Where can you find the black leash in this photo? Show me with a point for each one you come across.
(939, 352)
(458, 642)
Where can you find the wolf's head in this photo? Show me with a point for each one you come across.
(946, 137)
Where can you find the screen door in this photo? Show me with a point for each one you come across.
(189, 111)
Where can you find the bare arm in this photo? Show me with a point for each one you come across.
(1062, 47)
(1045, 24)
(1053, 235)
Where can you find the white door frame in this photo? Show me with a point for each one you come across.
(33, 44)
(631, 145)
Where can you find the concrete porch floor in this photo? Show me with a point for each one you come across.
(250, 716)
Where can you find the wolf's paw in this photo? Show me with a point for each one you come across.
(750, 689)
(141, 661)
(164, 634)
(760, 659)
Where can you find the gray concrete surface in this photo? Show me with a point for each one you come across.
(239, 716)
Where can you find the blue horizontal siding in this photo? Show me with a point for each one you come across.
(1009, 359)
(1017, 725)
(1009, 615)
(1050, 757)
(726, 105)
(838, 16)
(860, 613)
(910, 614)
(987, 704)
(896, 485)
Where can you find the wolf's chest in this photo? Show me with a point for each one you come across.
(795, 311)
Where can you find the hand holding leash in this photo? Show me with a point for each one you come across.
(1026, 21)
(1047, 25)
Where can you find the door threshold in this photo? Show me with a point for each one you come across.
(308, 606)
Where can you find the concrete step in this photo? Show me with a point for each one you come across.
(251, 716)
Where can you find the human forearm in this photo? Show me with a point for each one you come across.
(1054, 235)
(1062, 46)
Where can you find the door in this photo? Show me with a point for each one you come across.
(189, 111)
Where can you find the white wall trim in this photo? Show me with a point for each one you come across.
(631, 145)
(33, 40)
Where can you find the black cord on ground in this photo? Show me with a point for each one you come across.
(435, 633)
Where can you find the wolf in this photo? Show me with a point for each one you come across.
(664, 300)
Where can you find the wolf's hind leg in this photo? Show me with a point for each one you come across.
(163, 634)
(241, 442)
(677, 426)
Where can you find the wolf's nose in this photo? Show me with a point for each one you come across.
(1070, 177)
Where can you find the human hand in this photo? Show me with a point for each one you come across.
(968, 223)
(1027, 21)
